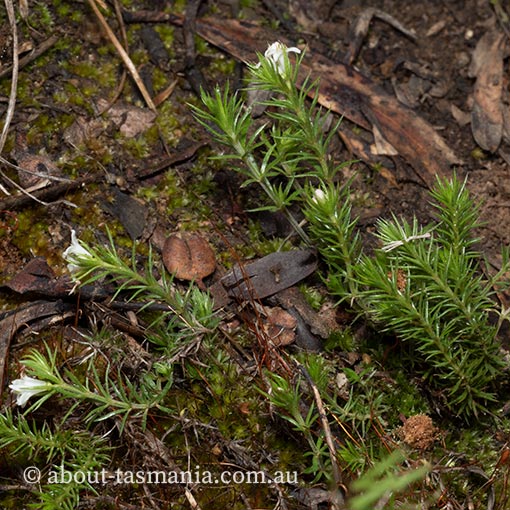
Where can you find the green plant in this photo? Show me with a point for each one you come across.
(111, 396)
(189, 313)
(279, 156)
(58, 448)
(60, 444)
(380, 483)
(424, 284)
(288, 398)
(100, 391)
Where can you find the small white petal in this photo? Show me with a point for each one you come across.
(27, 387)
(275, 53)
(293, 49)
(74, 252)
(319, 196)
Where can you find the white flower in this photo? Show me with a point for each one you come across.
(318, 196)
(275, 54)
(74, 253)
(27, 387)
(395, 244)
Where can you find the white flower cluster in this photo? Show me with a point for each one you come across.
(275, 54)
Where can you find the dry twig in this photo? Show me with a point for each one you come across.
(122, 81)
(15, 68)
(32, 55)
(123, 55)
(14, 84)
(325, 424)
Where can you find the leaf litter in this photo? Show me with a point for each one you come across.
(417, 141)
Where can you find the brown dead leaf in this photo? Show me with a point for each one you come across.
(35, 170)
(487, 67)
(280, 326)
(83, 129)
(34, 276)
(188, 256)
(130, 120)
(381, 146)
(462, 118)
(367, 152)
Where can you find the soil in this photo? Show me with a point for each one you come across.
(147, 175)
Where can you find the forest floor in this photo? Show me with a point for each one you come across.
(86, 151)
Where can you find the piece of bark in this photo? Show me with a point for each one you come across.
(155, 47)
(266, 276)
(131, 212)
(184, 151)
(33, 55)
(49, 193)
(280, 326)
(292, 299)
(487, 67)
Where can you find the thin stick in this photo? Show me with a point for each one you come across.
(35, 53)
(124, 56)
(15, 69)
(38, 174)
(325, 424)
(122, 81)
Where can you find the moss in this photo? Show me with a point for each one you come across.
(474, 447)
(77, 16)
(147, 193)
(63, 9)
(40, 16)
(32, 237)
(169, 123)
(222, 66)
(160, 80)
(180, 6)
(167, 34)
(66, 46)
(407, 397)
(99, 72)
(201, 46)
(29, 87)
(314, 297)
(180, 200)
(478, 154)
(139, 56)
(258, 245)
(136, 146)
(45, 130)
(342, 340)
(151, 135)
